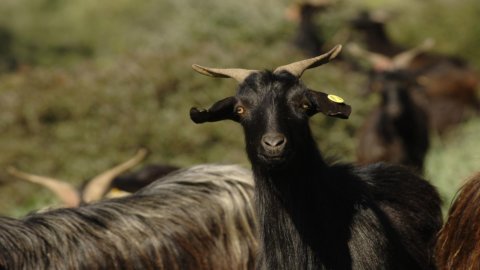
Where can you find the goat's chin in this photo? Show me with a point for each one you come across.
(273, 161)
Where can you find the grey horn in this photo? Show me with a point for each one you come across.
(66, 192)
(297, 68)
(380, 62)
(235, 73)
(98, 186)
(404, 59)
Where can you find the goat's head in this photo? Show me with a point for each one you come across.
(273, 108)
(391, 76)
(395, 88)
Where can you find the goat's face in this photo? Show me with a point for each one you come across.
(394, 88)
(273, 108)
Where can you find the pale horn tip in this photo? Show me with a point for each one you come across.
(335, 51)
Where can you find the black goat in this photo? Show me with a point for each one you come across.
(397, 131)
(314, 215)
(197, 218)
(131, 182)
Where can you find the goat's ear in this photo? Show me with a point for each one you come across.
(221, 110)
(330, 105)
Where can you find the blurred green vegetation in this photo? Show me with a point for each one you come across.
(96, 80)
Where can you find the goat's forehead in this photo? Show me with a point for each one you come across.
(266, 84)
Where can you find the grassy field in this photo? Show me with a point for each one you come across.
(96, 80)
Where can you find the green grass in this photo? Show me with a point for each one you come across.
(99, 79)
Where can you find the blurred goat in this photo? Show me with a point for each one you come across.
(397, 131)
(371, 26)
(449, 81)
(450, 91)
(458, 244)
(308, 37)
(110, 183)
(196, 218)
(133, 181)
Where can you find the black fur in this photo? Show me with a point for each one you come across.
(398, 130)
(132, 182)
(314, 215)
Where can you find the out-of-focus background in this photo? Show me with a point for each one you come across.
(84, 84)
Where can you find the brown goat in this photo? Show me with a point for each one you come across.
(458, 244)
(396, 131)
(449, 86)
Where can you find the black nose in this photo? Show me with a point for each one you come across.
(274, 143)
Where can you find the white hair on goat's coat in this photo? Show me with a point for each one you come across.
(196, 218)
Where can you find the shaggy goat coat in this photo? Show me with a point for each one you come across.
(198, 218)
(458, 244)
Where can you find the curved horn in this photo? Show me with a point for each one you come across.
(64, 191)
(96, 188)
(379, 62)
(235, 73)
(402, 60)
(297, 68)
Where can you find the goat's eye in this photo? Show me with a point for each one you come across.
(305, 106)
(239, 110)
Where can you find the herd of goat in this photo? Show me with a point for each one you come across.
(293, 210)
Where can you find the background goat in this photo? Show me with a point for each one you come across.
(373, 35)
(197, 218)
(398, 130)
(314, 215)
(450, 83)
(458, 244)
(370, 28)
(110, 183)
(450, 91)
(133, 181)
(308, 37)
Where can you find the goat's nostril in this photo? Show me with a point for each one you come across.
(274, 140)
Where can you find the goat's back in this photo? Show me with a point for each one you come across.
(197, 218)
(458, 244)
(411, 206)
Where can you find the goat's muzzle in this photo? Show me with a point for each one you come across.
(273, 145)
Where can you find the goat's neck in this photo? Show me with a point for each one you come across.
(391, 126)
(293, 207)
(289, 179)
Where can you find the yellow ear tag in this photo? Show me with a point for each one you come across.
(335, 99)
